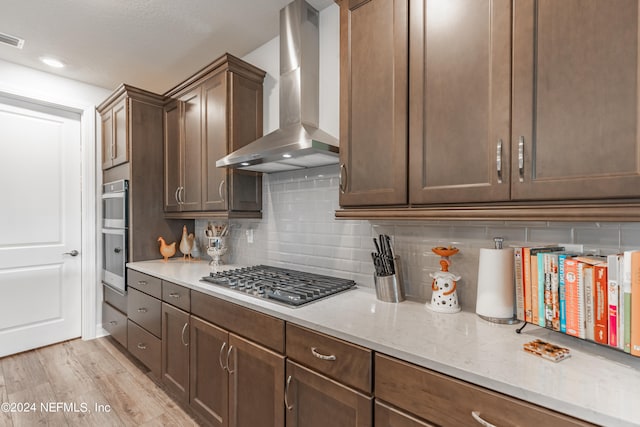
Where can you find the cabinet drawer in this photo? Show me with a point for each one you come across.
(145, 311)
(145, 283)
(449, 402)
(386, 416)
(114, 298)
(115, 323)
(145, 347)
(176, 295)
(340, 360)
(260, 328)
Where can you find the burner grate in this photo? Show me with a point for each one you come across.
(286, 286)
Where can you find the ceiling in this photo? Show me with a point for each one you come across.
(151, 44)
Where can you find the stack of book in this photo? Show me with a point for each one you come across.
(590, 297)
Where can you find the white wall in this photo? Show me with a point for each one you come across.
(28, 82)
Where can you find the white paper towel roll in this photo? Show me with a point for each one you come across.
(495, 298)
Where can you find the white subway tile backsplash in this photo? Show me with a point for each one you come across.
(299, 230)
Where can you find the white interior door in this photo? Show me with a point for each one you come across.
(40, 224)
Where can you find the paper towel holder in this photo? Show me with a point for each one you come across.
(495, 293)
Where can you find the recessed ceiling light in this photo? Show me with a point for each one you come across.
(244, 164)
(286, 156)
(52, 62)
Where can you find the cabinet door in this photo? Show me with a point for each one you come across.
(575, 128)
(214, 143)
(256, 385)
(107, 139)
(191, 196)
(172, 156)
(373, 102)
(313, 399)
(175, 350)
(120, 152)
(209, 379)
(245, 187)
(459, 147)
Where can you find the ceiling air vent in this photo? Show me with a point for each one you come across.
(11, 40)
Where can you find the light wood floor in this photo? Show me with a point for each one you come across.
(83, 374)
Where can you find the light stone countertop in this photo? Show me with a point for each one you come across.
(596, 383)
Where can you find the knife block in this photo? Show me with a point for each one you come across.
(390, 288)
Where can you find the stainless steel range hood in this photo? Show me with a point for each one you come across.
(298, 143)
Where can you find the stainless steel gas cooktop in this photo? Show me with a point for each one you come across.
(290, 287)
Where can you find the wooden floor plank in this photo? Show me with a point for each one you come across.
(86, 375)
(23, 372)
(41, 409)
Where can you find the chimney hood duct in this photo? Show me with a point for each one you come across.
(298, 143)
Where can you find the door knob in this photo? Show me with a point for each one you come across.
(72, 253)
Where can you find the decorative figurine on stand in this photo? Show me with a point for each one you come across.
(444, 298)
(186, 244)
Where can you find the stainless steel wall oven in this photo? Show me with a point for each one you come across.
(115, 222)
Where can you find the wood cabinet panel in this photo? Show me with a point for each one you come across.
(260, 328)
(176, 295)
(373, 102)
(446, 401)
(145, 347)
(145, 310)
(115, 322)
(348, 363)
(575, 100)
(256, 386)
(172, 156)
(459, 147)
(143, 282)
(209, 380)
(107, 139)
(386, 416)
(314, 399)
(191, 195)
(120, 153)
(175, 351)
(214, 145)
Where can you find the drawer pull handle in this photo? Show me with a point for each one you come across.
(476, 416)
(113, 323)
(142, 282)
(224, 368)
(142, 346)
(174, 295)
(231, 371)
(321, 356)
(142, 310)
(286, 395)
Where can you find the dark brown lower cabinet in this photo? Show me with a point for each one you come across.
(234, 382)
(256, 386)
(386, 416)
(314, 400)
(175, 351)
(209, 377)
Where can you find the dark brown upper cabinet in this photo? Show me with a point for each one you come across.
(214, 112)
(459, 90)
(115, 141)
(373, 102)
(575, 100)
(516, 110)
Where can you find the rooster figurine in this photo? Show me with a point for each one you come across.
(167, 251)
(186, 244)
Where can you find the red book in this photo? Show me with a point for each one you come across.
(600, 306)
